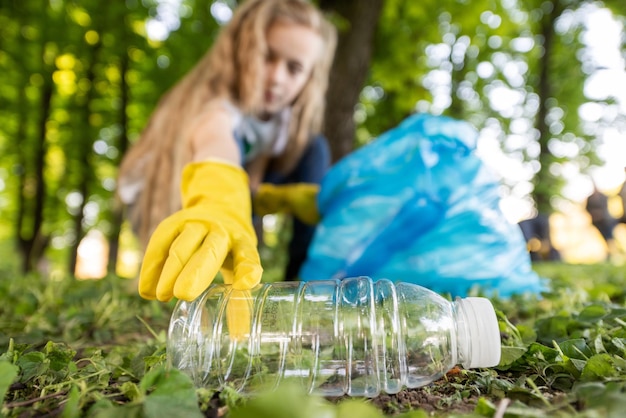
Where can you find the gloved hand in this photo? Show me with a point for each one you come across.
(212, 231)
(298, 199)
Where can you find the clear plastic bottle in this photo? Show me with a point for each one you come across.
(354, 336)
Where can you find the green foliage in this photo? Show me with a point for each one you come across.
(80, 83)
(160, 393)
(432, 57)
(81, 80)
(93, 348)
(109, 348)
(8, 373)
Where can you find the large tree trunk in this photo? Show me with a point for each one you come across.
(543, 180)
(350, 69)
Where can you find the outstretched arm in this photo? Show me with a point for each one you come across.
(213, 230)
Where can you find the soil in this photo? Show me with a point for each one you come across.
(422, 399)
(439, 397)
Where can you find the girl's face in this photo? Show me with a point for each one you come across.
(293, 50)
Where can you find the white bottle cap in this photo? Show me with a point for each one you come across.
(483, 342)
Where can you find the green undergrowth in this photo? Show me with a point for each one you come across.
(74, 348)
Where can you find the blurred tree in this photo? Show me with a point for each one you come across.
(81, 79)
(513, 69)
(29, 62)
(356, 21)
(81, 164)
(558, 86)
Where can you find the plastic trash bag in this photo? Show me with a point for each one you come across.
(417, 205)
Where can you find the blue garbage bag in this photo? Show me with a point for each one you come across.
(417, 205)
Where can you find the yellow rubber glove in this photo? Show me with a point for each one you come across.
(298, 199)
(212, 231)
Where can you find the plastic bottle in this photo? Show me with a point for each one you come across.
(355, 336)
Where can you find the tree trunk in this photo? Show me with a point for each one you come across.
(543, 180)
(350, 69)
(31, 242)
(84, 160)
(32, 149)
(118, 210)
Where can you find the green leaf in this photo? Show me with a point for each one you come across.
(589, 390)
(607, 399)
(619, 343)
(286, 402)
(616, 312)
(32, 364)
(105, 409)
(578, 364)
(173, 394)
(59, 355)
(599, 367)
(357, 408)
(527, 334)
(131, 391)
(510, 355)
(543, 353)
(71, 408)
(8, 373)
(576, 349)
(553, 328)
(592, 313)
(619, 363)
(485, 407)
(418, 413)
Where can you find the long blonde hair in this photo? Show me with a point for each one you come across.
(232, 69)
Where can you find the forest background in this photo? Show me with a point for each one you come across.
(80, 78)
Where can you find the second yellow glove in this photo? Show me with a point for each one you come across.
(298, 199)
(212, 231)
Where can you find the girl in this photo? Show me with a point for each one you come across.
(246, 114)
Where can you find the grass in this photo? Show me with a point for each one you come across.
(94, 348)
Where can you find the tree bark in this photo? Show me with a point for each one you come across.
(544, 179)
(32, 190)
(350, 69)
(118, 210)
(31, 242)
